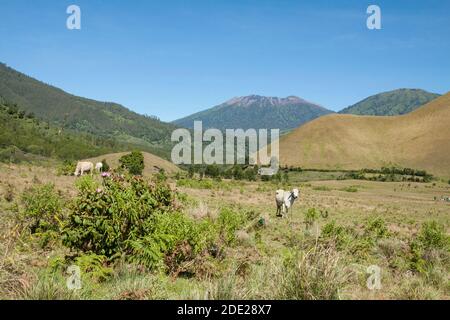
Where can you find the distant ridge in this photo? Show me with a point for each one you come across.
(392, 103)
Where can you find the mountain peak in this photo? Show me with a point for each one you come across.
(257, 112)
(250, 100)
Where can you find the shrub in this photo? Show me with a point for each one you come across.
(43, 208)
(161, 176)
(431, 238)
(94, 267)
(102, 220)
(135, 219)
(311, 216)
(229, 222)
(67, 168)
(339, 234)
(350, 189)
(133, 162)
(105, 167)
(376, 229)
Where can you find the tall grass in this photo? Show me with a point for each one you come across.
(316, 274)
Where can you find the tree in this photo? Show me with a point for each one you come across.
(133, 162)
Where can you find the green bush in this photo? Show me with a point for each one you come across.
(94, 267)
(43, 208)
(67, 168)
(230, 221)
(376, 229)
(432, 237)
(103, 219)
(135, 219)
(173, 239)
(339, 234)
(133, 162)
(105, 167)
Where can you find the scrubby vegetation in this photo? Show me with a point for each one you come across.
(138, 238)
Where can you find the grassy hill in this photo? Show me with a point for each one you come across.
(23, 137)
(152, 163)
(257, 112)
(67, 111)
(419, 140)
(391, 103)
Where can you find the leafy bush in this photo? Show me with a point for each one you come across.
(376, 229)
(67, 168)
(102, 220)
(105, 167)
(432, 237)
(94, 267)
(339, 234)
(133, 162)
(173, 239)
(43, 207)
(230, 221)
(135, 219)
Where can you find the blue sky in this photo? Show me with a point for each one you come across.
(173, 58)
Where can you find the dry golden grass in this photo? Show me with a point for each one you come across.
(152, 162)
(419, 140)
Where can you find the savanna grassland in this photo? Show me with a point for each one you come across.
(192, 238)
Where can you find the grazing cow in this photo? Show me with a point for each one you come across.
(83, 167)
(285, 201)
(99, 167)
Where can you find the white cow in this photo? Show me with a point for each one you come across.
(285, 201)
(99, 167)
(83, 167)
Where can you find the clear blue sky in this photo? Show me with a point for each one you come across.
(173, 58)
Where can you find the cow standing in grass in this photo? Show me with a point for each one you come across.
(285, 200)
(84, 167)
(99, 167)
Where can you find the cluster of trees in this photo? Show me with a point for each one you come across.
(236, 172)
(214, 171)
(392, 174)
(22, 135)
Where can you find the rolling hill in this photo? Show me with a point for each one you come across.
(257, 112)
(391, 103)
(104, 119)
(152, 163)
(419, 140)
